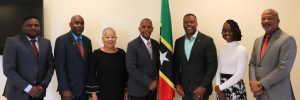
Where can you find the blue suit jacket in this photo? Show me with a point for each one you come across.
(71, 69)
(21, 67)
(141, 68)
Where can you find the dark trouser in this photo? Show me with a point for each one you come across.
(191, 97)
(30, 98)
(150, 96)
(84, 96)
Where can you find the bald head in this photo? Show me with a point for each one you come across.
(270, 20)
(271, 12)
(146, 28)
(77, 24)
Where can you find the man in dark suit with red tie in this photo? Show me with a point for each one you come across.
(72, 53)
(27, 63)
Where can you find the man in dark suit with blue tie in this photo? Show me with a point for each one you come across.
(27, 63)
(195, 62)
(72, 53)
(142, 62)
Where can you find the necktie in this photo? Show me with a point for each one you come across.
(264, 46)
(80, 48)
(149, 47)
(36, 51)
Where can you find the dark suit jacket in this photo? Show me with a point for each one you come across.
(21, 67)
(71, 69)
(141, 68)
(200, 69)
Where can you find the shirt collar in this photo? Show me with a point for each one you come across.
(144, 40)
(193, 36)
(76, 37)
(32, 39)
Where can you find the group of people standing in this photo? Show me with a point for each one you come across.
(110, 73)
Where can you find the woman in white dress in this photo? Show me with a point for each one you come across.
(232, 61)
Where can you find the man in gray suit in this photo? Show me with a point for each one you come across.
(27, 63)
(142, 62)
(271, 61)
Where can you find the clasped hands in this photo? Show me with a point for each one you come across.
(198, 92)
(35, 91)
(255, 89)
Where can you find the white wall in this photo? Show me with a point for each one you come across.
(124, 16)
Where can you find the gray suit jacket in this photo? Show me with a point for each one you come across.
(142, 70)
(274, 69)
(21, 67)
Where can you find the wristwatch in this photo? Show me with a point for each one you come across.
(259, 85)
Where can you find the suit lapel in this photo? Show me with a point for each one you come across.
(270, 42)
(74, 44)
(144, 47)
(26, 42)
(181, 47)
(195, 45)
(42, 48)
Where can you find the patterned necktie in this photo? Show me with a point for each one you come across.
(264, 46)
(80, 48)
(149, 47)
(35, 49)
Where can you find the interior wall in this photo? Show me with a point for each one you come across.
(124, 16)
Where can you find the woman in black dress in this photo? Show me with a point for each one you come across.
(108, 77)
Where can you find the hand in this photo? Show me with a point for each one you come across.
(94, 96)
(35, 91)
(126, 95)
(260, 92)
(179, 90)
(217, 89)
(222, 96)
(153, 85)
(199, 93)
(67, 95)
(254, 86)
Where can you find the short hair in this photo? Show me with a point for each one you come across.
(237, 35)
(108, 28)
(30, 17)
(189, 14)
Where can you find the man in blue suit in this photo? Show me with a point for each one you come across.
(142, 62)
(27, 63)
(72, 53)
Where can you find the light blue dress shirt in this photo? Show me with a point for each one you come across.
(188, 44)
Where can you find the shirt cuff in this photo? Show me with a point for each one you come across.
(28, 88)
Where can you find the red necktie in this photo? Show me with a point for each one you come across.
(80, 48)
(264, 46)
(36, 51)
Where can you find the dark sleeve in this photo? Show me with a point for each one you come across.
(10, 65)
(125, 74)
(60, 66)
(50, 66)
(92, 83)
(176, 64)
(212, 63)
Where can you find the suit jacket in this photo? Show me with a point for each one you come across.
(141, 68)
(71, 69)
(201, 67)
(273, 71)
(21, 67)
